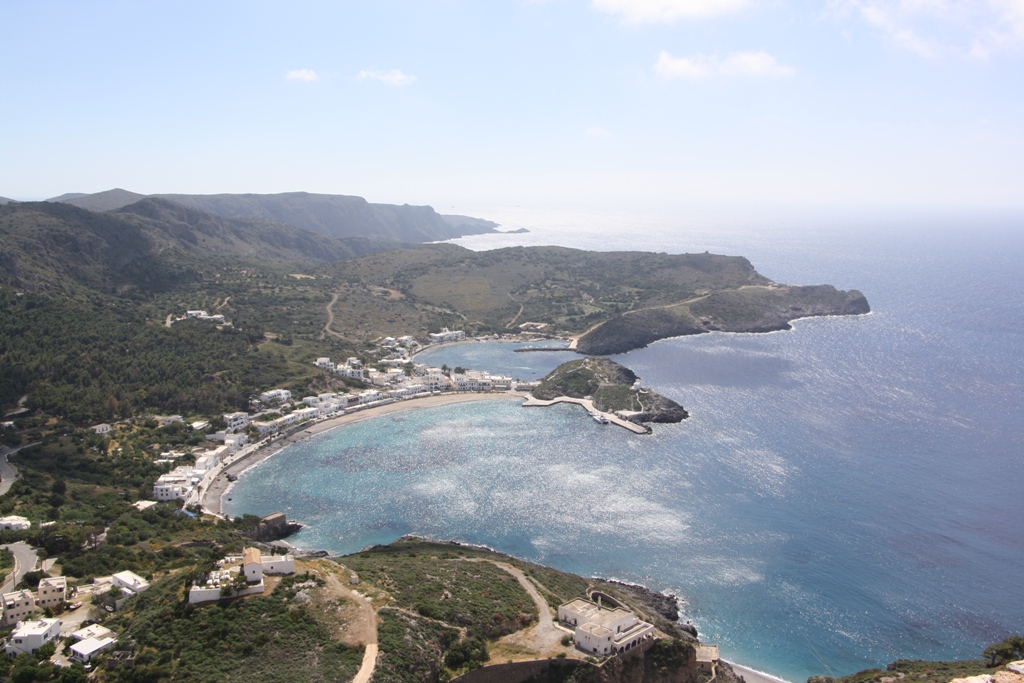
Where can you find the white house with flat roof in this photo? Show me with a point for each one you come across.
(604, 631)
(276, 396)
(84, 650)
(51, 592)
(92, 631)
(31, 635)
(130, 582)
(235, 421)
(18, 606)
(15, 523)
(101, 428)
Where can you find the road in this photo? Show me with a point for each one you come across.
(7, 473)
(24, 562)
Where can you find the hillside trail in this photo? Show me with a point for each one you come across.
(543, 639)
(513, 321)
(364, 626)
(330, 319)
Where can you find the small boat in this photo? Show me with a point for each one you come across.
(599, 418)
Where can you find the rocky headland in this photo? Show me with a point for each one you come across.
(755, 308)
(612, 388)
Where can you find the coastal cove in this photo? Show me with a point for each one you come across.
(816, 512)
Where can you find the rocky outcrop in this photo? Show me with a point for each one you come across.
(748, 309)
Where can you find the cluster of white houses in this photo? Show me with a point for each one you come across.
(21, 604)
(182, 480)
(31, 634)
(244, 578)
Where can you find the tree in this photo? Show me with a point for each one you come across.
(1007, 650)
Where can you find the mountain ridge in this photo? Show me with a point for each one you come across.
(327, 214)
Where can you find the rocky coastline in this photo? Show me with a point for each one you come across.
(760, 309)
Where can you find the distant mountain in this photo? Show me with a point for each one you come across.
(67, 196)
(333, 215)
(101, 201)
(336, 215)
(149, 244)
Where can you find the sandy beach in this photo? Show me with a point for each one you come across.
(751, 676)
(211, 499)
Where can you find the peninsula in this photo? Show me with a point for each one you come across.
(610, 391)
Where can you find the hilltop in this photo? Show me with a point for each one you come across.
(612, 389)
(326, 214)
(612, 301)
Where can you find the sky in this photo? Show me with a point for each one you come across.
(585, 103)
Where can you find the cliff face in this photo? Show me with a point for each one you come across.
(747, 309)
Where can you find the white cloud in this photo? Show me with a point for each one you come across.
(643, 11)
(302, 75)
(737, 65)
(392, 77)
(930, 28)
(597, 132)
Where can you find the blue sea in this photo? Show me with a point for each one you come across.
(845, 493)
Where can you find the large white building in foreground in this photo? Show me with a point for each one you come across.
(604, 631)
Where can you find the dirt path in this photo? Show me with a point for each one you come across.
(330, 319)
(543, 639)
(513, 321)
(169, 320)
(222, 304)
(362, 628)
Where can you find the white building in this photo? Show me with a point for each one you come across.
(220, 585)
(130, 582)
(15, 523)
(84, 650)
(203, 315)
(52, 592)
(101, 428)
(369, 396)
(276, 396)
(235, 421)
(603, 631)
(18, 606)
(303, 414)
(254, 565)
(175, 484)
(446, 335)
(31, 635)
(349, 372)
(311, 401)
(94, 631)
(472, 381)
(325, 363)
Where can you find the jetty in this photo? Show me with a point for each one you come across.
(532, 402)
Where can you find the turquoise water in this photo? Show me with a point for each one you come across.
(844, 494)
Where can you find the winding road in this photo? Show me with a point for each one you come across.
(24, 561)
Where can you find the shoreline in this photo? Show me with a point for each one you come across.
(753, 675)
(211, 498)
(430, 347)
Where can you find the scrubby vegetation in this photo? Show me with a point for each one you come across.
(477, 596)
(272, 639)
